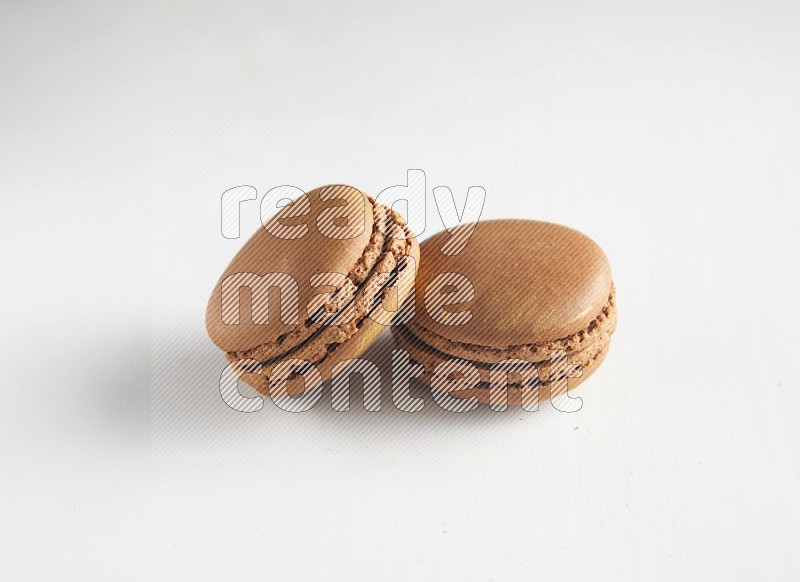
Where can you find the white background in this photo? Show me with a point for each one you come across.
(666, 131)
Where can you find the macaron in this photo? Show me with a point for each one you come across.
(522, 295)
(313, 288)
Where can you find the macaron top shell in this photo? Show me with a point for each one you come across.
(320, 217)
(533, 282)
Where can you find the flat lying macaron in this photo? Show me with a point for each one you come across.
(520, 294)
(315, 286)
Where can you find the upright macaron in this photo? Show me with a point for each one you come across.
(519, 291)
(314, 286)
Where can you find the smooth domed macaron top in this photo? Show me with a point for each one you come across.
(325, 231)
(533, 282)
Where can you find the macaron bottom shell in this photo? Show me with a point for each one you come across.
(516, 396)
(584, 352)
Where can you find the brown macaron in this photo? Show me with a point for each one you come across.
(519, 291)
(316, 286)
